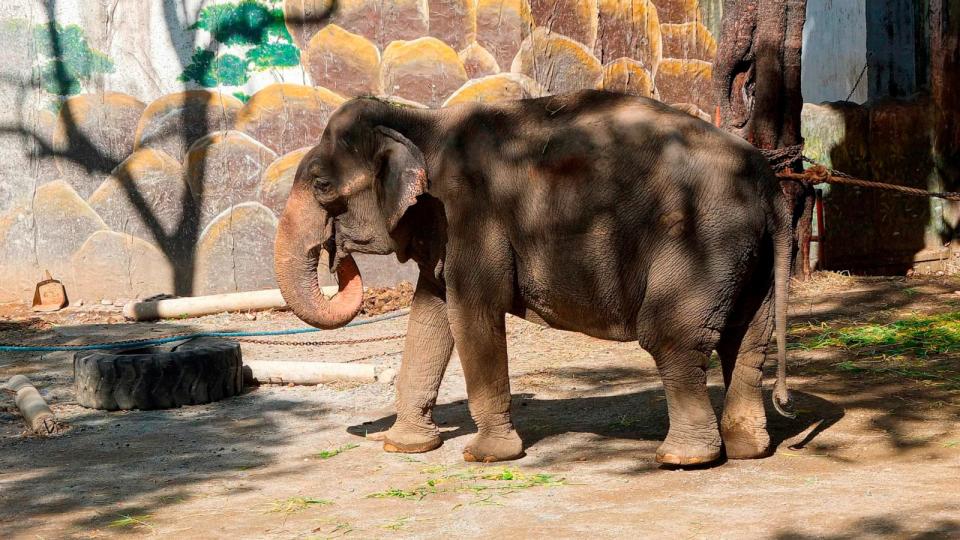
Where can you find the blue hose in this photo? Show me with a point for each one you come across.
(160, 341)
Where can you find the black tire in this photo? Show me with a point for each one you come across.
(194, 372)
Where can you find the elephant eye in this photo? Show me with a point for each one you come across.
(322, 184)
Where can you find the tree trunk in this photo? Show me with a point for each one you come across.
(757, 79)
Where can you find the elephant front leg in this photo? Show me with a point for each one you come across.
(426, 353)
(693, 437)
(482, 346)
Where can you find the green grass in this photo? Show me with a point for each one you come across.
(903, 348)
(327, 454)
(476, 480)
(396, 524)
(624, 423)
(296, 504)
(919, 335)
(125, 521)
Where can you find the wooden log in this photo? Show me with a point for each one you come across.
(33, 407)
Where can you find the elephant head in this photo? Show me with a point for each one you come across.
(349, 195)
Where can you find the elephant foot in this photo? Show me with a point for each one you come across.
(490, 448)
(741, 441)
(684, 454)
(406, 438)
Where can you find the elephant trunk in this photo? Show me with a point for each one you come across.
(301, 235)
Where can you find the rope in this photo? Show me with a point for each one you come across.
(781, 159)
(819, 174)
(14, 347)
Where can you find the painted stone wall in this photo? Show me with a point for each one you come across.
(149, 146)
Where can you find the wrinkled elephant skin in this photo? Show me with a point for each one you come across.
(610, 215)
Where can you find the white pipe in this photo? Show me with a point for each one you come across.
(197, 306)
(283, 372)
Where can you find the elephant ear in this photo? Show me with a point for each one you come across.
(402, 175)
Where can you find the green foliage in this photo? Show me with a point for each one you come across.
(906, 348)
(920, 336)
(209, 70)
(274, 55)
(71, 62)
(327, 454)
(479, 481)
(126, 521)
(251, 25)
(246, 23)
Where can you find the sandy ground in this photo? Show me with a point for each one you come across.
(871, 455)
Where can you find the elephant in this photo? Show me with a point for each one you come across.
(611, 215)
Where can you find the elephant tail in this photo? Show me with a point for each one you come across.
(782, 261)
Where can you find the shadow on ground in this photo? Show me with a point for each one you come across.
(155, 457)
(638, 416)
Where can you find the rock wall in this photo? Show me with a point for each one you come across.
(149, 146)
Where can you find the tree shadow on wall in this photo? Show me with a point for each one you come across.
(73, 145)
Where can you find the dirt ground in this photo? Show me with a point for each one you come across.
(874, 452)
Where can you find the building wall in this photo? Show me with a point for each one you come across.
(148, 147)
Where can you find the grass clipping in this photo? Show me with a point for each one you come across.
(479, 481)
(915, 347)
(919, 336)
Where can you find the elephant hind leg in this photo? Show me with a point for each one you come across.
(742, 351)
(693, 438)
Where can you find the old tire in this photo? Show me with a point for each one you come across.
(197, 371)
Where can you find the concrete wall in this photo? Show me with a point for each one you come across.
(148, 146)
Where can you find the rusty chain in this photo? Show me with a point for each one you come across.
(320, 343)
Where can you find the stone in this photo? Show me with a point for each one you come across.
(175, 121)
(478, 62)
(575, 19)
(686, 81)
(631, 29)
(678, 11)
(224, 169)
(18, 255)
(502, 25)
(64, 221)
(382, 22)
(285, 116)
(453, 22)
(147, 197)
(106, 302)
(47, 170)
(627, 76)
(688, 40)
(116, 265)
(304, 18)
(558, 64)
(93, 134)
(28, 161)
(500, 87)
(425, 70)
(278, 179)
(344, 62)
(235, 252)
